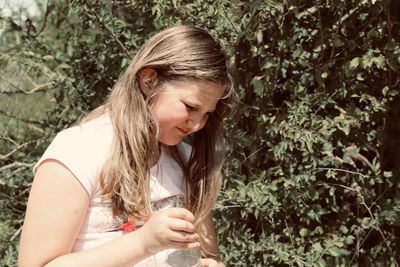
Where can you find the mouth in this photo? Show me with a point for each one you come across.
(184, 132)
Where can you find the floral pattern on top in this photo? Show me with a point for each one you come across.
(175, 201)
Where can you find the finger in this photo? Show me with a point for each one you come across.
(181, 213)
(207, 262)
(181, 225)
(185, 246)
(184, 237)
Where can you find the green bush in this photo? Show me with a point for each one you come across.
(313, 164)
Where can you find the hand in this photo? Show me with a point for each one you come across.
(170, 228)
(208, 262)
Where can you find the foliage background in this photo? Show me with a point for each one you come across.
(313, 165)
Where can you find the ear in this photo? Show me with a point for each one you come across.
(148, 79)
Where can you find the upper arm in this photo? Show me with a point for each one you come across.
(56, 208)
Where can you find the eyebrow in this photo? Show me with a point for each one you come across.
(196, 105)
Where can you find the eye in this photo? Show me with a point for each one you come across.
(189, 107)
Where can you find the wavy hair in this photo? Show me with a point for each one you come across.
(180, 53)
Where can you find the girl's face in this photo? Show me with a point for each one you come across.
(182, 108)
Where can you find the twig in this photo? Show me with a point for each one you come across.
(390, 38)
(224, 207)
(369, 212)
(348, 15)
(252, 154)
(229, 19)
(16, 164)
(2, 157)
(9, 140)
(45, 19)
(37, 87)
(110, 31)
(290, 256)
(321, 33)
(341, 170)
(16, 234)
(20, 119)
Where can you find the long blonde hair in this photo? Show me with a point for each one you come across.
(183, 53)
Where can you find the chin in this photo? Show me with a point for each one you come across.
(170, 142)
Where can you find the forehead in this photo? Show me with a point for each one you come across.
(200, 90)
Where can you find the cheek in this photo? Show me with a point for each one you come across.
(168, 115)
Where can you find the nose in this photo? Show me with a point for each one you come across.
(195, 123)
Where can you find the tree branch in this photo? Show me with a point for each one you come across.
(18, 147)
(45, 19)
(110, 31)
(20, 119)
(36, 87)
(16, 164)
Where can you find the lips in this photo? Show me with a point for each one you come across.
(184, 132)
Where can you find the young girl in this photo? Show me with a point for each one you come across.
(122, 188)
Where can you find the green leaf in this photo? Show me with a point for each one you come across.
(320, 263)
(335, 251)
(124, 63)
(303, 232)
(258, 85)
(385, 90)
(354, 62)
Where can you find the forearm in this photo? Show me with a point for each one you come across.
(123, 251)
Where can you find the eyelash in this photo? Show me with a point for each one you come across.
(189, 107)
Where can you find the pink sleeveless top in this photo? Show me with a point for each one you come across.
(83, 150)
